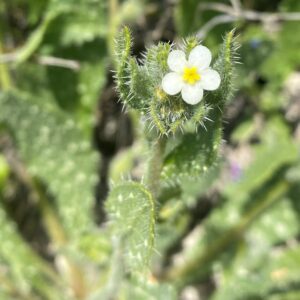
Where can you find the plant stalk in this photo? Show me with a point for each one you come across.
(154, 167)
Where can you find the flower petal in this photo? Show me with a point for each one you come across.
(177, 61)
(210, 79)
(200, 57)
(172, 83)
(192, 94)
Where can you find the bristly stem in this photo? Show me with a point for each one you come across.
(154, 167)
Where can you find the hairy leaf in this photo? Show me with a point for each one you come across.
(55, 150)
(21, 270)
(131, 209)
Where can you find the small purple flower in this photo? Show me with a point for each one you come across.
(235, 171)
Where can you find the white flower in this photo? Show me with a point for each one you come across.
(192, 76)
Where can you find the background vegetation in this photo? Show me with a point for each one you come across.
(66, 141)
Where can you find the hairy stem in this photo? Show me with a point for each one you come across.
(155, 165)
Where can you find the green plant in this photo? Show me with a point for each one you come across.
(191, 191)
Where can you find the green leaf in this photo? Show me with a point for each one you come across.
(79, 22)
(56, 151)
(276, 150)
(73, 22)
(83, 26)
(244, 131)
(185, 15)
(273, 275)
(280, 223)
(193, 156)
(79, 90)
(24, 270)
(131, 209)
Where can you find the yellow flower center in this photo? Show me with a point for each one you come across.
(191, 75)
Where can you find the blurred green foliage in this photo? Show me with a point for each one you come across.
(225, 224)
